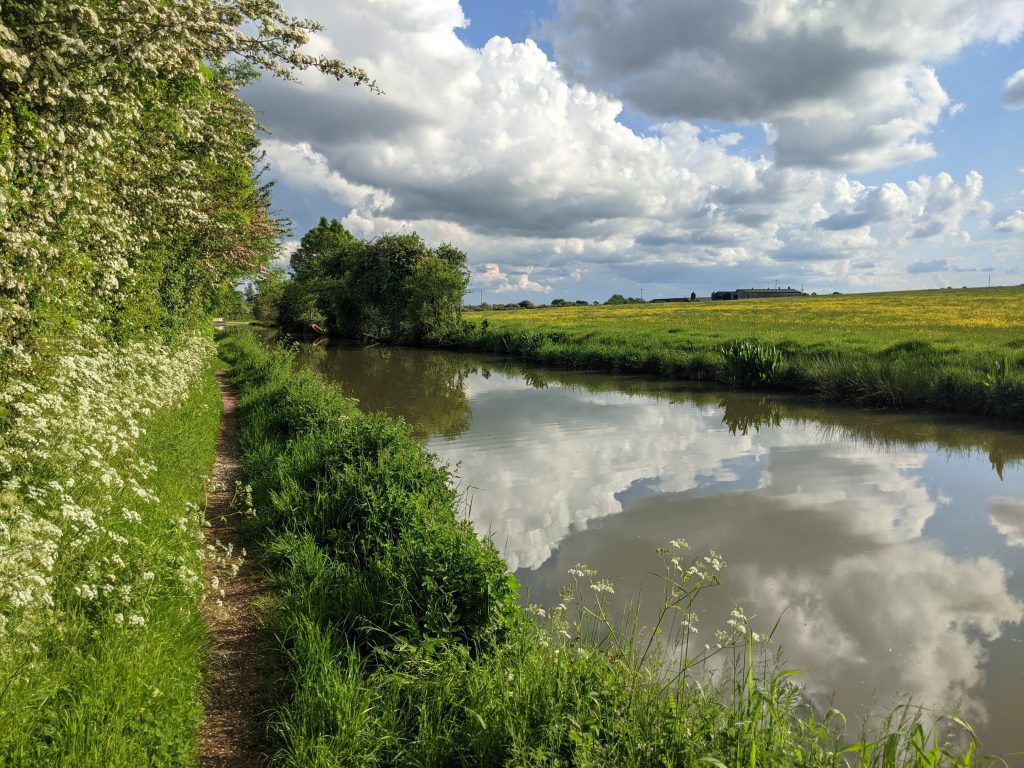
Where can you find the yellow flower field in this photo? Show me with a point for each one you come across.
(952, 349)
(990, 317)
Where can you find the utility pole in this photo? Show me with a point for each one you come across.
(481, 298)
(642, 291)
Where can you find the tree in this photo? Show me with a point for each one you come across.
(394, 288)
(269, 290)
(618, 298)
(230, 303)
(326, 243)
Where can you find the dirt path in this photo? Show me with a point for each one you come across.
(233, 731)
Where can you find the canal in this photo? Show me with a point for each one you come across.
(888, 546)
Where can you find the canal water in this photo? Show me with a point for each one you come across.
(890, 547)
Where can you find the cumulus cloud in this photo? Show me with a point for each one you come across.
(844, 84)
(491, 278)
(929, 207)
(1013, 98)
(496, 150)
(884, 203)
(604, 478)
(284, 256)
(1013, 222)
(1007, 515)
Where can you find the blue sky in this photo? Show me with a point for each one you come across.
(579, 148)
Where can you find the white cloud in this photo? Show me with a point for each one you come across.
(496, 151)
(930, 208)
(302, 165)
(1013, 222)
(846, 85)
(1013, 98)
(1007, 515)
(284, 257)
(491, 279)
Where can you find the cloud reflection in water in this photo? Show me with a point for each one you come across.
(828, 530)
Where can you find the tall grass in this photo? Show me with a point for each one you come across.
(950, 350)
(102, 646)
(403, 642)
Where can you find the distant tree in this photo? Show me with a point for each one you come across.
(433, 294)
(298, 309)
(559, 303)
(269, 290)
(229, 302)
(526, 304)
(581, 303)
(618, 298)
(693, 295)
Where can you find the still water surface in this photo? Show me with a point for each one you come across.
(892, 545)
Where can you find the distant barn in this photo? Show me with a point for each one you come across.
(755, 293)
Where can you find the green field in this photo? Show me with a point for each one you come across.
(950, 349)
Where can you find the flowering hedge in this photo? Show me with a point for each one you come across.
(129, 188)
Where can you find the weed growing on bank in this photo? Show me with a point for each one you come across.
(950, 350)
(402, 641)
(103, 465)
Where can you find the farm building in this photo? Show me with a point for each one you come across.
(755, 293)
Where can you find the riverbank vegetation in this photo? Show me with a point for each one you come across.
(954, 350)
(130, 197)
(403, 643)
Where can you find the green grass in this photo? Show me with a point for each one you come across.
(402, 642)
(82, 687)
(948, 349)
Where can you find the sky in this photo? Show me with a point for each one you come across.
(580, 148)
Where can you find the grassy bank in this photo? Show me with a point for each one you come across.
(957, 350)
(102, 647)
(403, 643)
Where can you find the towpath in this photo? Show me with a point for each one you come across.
(233, 731)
